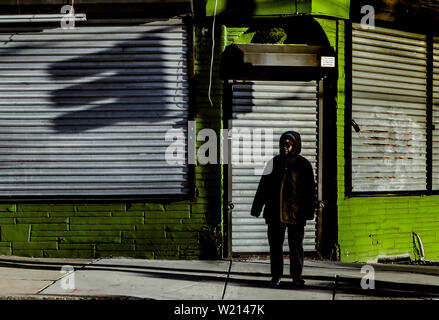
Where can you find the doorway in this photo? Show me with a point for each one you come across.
(260, 112)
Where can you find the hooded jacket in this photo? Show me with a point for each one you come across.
(287, 188)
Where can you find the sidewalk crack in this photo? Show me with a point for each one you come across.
(68, 274)
(227, 280)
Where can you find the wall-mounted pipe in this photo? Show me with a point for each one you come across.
(40, 18)
(418, 247)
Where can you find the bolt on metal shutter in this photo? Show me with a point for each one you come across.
(84, 112)
(261, 105)
(436, 114)
(389, 83)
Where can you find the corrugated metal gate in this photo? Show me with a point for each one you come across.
(436, 114)
(257, 108)
(84, 112)
(389, 76)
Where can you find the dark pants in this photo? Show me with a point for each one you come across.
(276, 237)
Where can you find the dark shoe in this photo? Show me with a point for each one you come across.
(274, 283)
(298, 283)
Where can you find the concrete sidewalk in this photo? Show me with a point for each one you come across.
(126, 278)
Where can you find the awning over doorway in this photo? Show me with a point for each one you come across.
(276, 61)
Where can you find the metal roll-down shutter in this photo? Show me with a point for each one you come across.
(436, 114)
(258, 106)
(389, 90)
(84, 112)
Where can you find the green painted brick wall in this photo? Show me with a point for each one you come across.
(190, 229)
(155, 231)
(369, 227)
(373, 226)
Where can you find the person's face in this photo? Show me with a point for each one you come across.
(287, 148)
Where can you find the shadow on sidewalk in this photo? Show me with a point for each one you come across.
(344, 285)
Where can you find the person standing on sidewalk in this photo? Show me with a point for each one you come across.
(288, 191)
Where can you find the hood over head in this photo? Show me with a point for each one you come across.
(293, 137)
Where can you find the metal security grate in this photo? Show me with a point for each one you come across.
(84, 112)
(389, 84)
(436, 114)
(259, 106)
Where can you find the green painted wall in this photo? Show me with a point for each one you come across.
(178, 230)
(373, 226)
(369, 227)
(155, 231)
(254, 7)
(332, 8)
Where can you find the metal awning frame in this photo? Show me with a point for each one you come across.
(276, 61)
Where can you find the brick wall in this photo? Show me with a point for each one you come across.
(369, 227)
(373, 226)
(154, 231)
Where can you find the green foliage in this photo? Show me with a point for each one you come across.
(271, 36)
